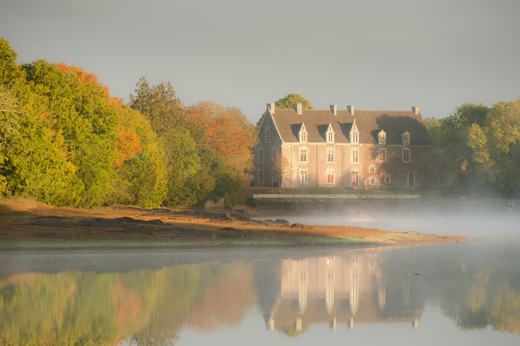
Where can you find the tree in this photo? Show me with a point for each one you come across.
(164, 111)
(287, 102)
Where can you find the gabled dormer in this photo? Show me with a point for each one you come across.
(405, 138)
(302, 135)
(354, 133)
(329, 135)
(382, 137)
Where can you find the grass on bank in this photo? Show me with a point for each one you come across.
(427, 194)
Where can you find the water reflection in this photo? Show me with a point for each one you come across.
(474, 285)
(144, 307)
(343, 290)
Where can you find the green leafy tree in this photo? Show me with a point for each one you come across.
(164, 111)
(287, 102)
(33, 157)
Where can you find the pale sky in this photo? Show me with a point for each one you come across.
(373, 54)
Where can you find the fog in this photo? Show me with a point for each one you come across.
(480, 223)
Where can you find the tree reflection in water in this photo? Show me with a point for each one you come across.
(147, 307)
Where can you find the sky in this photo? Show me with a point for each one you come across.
(373, 54)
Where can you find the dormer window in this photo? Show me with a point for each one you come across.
(406, 138)
(330, 134)
(354, 133)
(303, 134)
(382, 137)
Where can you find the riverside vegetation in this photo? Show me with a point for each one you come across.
(65, 141)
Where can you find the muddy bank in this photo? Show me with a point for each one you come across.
(43, 228)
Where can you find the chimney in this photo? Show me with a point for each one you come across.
(334, 109)
(271, 107)
(297, 107)
(351, 109)
(415, 110)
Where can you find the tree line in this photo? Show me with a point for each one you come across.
(65, 141)
(478, 148)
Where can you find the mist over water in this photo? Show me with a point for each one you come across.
(448, 294)
(477, 223)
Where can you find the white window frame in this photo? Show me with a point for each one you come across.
(406, 138)
(354, 137)
(260, 155)
(303, 137)
(407, 157)
(304, 176)
(330, 155)
(303, 155)
(330, 137)
(354, 175)
(330, 174)
(371, 169)
(354, 158)
(381, 150)
(260, 176)
(387, 178)
(382, 137)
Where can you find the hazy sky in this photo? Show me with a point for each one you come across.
(374, 54)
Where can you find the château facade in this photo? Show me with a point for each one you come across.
(349, 148)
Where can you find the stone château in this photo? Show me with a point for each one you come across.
(349, 148)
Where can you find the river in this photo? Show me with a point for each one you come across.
(462, 293)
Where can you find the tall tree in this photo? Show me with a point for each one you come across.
(164, 111)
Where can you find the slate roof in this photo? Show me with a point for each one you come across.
(369, 123)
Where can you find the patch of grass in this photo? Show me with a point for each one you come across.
(94, 243)
(328, 240)
(253, 242)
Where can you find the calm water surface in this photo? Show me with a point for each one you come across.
(442, 294)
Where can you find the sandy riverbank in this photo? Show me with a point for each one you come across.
(31, 226)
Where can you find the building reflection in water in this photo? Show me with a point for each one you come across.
(341, 290)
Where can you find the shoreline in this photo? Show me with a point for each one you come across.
(36, 227)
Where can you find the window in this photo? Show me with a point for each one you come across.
(330, 155)
(275, 178)
(303, 176)
(303, 155)
(387, 178)
(382, 137)
(330, 137)
(330, 176)
(382, 154)
(303, 137)
(354, 137)
(372, 169)
(260, 176)
(372, 181)
(406, 155)
(267, 136)
(273, 155)
(354, 177)
(355, 156)
(261, 155)
(406, 138)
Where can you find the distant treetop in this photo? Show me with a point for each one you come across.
(288, 101)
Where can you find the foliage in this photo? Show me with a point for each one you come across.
(480, 147)
(64, 140)
(287, 102)
(164, 111)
